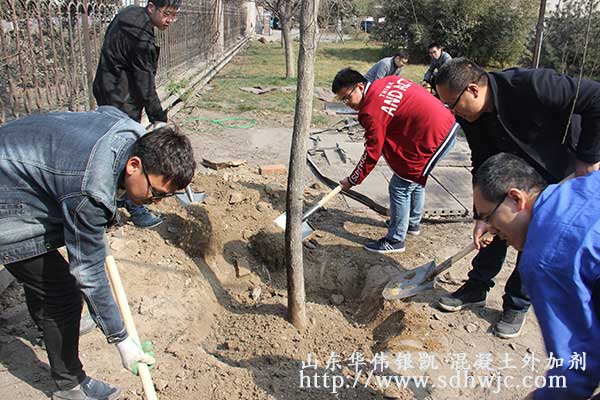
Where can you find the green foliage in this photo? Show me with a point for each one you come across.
(492, 32)
(174, 87)
(565, 31)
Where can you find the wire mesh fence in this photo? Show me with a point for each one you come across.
(49, 48)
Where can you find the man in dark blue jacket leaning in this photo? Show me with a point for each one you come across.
(61, 175)
(537, 115)
(125, 77)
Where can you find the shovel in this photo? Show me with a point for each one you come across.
(121, 298)
(414, 281)
(307, 228)
(188, 196)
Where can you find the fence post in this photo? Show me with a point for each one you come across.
(88, 55)
(220, 45)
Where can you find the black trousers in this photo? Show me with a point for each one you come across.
(55, 303)
(488, 263)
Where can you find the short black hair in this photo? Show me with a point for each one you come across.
(166, 3)
(346, 78)
(503, 171)
(166, 152)
(457, 73)
(434, 44)
(402, 54)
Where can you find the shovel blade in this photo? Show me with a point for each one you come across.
(184, 198)
(409, 283)
(307, 228)
(280, 221)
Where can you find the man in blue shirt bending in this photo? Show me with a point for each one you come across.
(557, 229)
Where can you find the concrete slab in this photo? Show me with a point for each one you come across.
(448, 190)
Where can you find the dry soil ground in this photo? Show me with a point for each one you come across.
(219, 336)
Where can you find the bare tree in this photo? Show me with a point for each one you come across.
(334, 13)
(285, 11)
(295, 187)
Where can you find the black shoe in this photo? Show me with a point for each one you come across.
(470, 294)
(510, 324)
(89, 389)
(384, 246)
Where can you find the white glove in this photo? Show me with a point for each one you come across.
(131, 354)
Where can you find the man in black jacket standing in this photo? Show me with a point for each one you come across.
(541, 116)
(125, 77)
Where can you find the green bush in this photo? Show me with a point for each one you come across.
(491, 32)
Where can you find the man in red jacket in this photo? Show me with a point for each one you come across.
(412, 130)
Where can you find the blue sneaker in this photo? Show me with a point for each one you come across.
(414, 230)
(89, 389)
(384, 246)
(143, 218)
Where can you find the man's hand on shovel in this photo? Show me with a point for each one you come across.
(480, 229)
(345, 183)
(132, 354)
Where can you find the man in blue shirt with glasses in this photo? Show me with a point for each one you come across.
(557, 230)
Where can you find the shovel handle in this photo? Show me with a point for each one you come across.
(447, 264)
(121, 299)
(322, 202)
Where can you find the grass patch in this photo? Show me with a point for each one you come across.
(264, 65)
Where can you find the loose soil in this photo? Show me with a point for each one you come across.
(218, 336)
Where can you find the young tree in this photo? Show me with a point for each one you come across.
(295, 186)
(285, 10)
(334, 13)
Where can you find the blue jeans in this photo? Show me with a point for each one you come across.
(407, 200)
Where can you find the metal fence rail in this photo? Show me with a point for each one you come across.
(49, 48)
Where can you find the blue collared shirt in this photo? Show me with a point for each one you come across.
(560, 266)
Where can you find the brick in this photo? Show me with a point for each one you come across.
(275, 169)
(242, 267)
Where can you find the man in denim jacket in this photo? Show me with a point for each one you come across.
(60, 177)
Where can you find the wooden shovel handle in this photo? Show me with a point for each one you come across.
(321, 202)
(329, 196)
(121, 298)
(445, 265)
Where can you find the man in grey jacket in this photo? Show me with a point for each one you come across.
(438, 58)
(60, 177)
(388, 66)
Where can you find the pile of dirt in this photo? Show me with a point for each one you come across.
(222, 334)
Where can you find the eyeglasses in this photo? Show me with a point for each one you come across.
(168, 15)
(346, 98)
(487, 218)
(451, 107)
(156, 196)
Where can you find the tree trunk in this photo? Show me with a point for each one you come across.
(286, 34)
(295, 188)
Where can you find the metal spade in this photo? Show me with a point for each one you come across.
(307, 228)
(414, 281)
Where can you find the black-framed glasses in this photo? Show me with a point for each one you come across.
(168, 15)
(457, 99)
(155, 195)
(488, 217)
(451, 107)
(346, 98)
